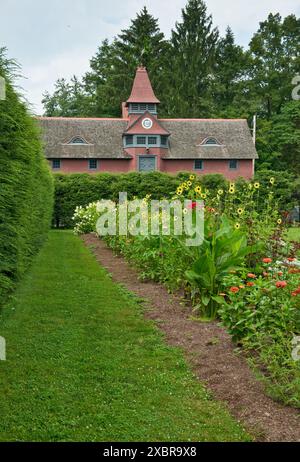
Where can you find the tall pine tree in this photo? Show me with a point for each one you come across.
(114, 66)
(229, 73)
(192, 57)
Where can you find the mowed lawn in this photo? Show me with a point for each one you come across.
(83, 365)
(294, 234)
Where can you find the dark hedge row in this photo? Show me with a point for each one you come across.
(81, 189)
(26, 190)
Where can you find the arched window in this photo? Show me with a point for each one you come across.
(77, 140)
(211, 142)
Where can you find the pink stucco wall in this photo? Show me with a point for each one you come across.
(104, 165)
(245, 168)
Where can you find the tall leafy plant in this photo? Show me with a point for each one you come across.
(221, 252)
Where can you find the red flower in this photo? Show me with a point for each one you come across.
(251, 275)
(280, 273)
(281, 284)
(267, 260)
(296, 292)
(250, 284)
(291, 259)
(234, 289)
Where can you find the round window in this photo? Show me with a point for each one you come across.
(147, 123)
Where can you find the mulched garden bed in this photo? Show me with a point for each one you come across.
(209, 350)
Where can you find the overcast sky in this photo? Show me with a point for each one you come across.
(57, 38)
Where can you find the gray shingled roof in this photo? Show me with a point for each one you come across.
(187, 135)
(104, 138)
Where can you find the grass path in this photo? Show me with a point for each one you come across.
(83, 365)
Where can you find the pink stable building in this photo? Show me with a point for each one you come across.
(141, 141)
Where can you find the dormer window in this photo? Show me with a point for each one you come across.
(77, 140)
(211, 142)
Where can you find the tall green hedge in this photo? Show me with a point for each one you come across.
(26, 189)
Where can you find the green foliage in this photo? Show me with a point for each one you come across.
(26, 186)
(275, 62)
(190, 66)
(223, 250)
(82, 189)
(263, 316)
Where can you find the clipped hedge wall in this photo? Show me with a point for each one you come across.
(81, 189)
(26, 190)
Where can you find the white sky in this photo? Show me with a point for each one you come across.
(57, 38)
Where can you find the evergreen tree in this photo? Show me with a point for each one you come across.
(68, 99)
(229, 74)
(192, 58)
(114, 66)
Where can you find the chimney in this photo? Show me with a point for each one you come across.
(124, 111)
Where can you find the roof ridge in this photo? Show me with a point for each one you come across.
(81, 118)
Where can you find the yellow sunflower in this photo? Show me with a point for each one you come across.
(203, 196)
(272, 180)
(256, 185)
(240, 211)
(237, 226)
(279, 221)
(198, 190)
(220, 192)
(192, 177)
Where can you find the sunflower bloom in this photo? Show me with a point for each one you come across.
(198, 190)
(237, 226)
(240, 211)
(257, 185)
(272, 180)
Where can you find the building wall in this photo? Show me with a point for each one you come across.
(104, 165)
(245, 168)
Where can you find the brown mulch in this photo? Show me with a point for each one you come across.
(210, 351)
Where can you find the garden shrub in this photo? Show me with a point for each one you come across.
(26, 188)
(82, 189)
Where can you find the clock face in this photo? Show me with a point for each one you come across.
(147, 123)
